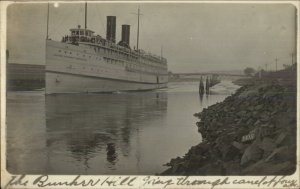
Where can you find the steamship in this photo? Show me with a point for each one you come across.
(85, 62)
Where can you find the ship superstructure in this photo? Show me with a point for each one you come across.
(85, 62)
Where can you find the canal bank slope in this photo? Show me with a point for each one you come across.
(252, 132)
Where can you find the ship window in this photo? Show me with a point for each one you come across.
(73, 32)
(81, 32)
(77, 32)
(86, 33)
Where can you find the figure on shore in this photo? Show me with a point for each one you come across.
(201, 87)
(207, 85)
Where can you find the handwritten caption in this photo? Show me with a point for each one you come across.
(42, 181)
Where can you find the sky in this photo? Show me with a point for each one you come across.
(194, 37)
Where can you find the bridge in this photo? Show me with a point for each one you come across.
(197, 75)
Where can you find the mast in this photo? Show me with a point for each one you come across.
(138, 30)
(85, 16)
(47, 36)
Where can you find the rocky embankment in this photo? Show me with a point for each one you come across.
(252, 132)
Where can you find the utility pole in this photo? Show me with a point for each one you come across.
(47, 35)
(266, 67)
(85, 16)
(292, 61)
(276, 59)
(161, 52)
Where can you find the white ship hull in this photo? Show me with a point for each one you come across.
(66, 83)
(76, 69)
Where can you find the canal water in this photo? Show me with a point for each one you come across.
(121, 133)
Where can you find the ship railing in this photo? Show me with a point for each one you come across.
(104, 43)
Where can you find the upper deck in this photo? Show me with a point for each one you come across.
(85, 36)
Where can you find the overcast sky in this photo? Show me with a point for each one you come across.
(196, 37)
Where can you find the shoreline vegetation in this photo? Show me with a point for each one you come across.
(252, 132)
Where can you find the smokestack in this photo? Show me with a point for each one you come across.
(111, 28)
(125, 34)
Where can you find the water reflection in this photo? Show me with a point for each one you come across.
(90, 126)
(201, 99)
(129, 133)
(111, 154)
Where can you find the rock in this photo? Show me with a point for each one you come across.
(285, 154)
(276, 168)
(253, 168)
(239, 146)
(269, 168)
(232, 168)
(176, 168)
(267, 144)
(280, 138)
(265, 130)
(197, 114)
(269, 94)
(250, 121)
(264, 117)
(259, 107)
(257, 122)
(250, 136)
(275, 151)
(250, 108)
(249, 93)
(241, 113)
(252, 153)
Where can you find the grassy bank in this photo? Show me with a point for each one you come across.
(252, 132)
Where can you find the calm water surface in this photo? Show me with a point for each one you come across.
(121, 133)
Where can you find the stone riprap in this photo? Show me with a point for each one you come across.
(252, 132)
